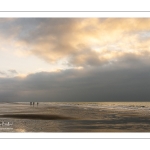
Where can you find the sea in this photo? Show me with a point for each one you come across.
(75, 117)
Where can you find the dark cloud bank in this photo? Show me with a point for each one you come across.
(122, 81)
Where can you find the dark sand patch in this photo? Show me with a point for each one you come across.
(36, 116)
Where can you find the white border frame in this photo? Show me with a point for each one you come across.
(100, 135)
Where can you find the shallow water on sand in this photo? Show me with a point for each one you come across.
(75, 117)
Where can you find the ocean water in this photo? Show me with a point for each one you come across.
(75, 117)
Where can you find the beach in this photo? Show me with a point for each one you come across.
(75, 117)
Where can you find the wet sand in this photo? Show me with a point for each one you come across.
(75, 117)
(35, 116)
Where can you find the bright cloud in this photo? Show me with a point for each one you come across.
(43, 55)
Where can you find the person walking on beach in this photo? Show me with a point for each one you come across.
(37, 103)
(30, 103)
(33, 104)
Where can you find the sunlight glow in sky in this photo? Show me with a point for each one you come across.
(30, 45)
(71, 50)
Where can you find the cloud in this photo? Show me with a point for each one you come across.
(127, 80)
(2, 73)
(109, 59)
(13, 71)
(78, 41)
(9, 73)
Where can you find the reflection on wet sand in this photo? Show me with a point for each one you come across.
(20, 130)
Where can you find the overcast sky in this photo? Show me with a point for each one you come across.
(74, 59)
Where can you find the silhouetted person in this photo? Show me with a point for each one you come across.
(30, 103)
(37, 103)
(33, 104)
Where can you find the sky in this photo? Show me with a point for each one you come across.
(74, 59)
